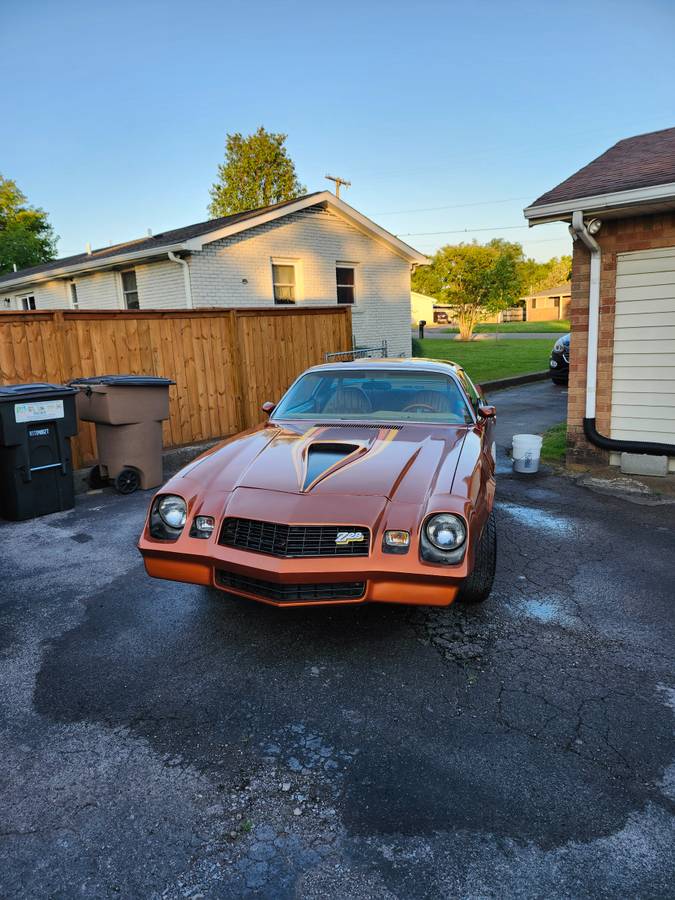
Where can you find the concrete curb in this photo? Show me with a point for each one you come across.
(501, 383)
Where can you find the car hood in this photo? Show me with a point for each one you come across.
(403, 462)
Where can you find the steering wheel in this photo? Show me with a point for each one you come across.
(418, 407)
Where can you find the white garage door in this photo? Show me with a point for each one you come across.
(643, 385)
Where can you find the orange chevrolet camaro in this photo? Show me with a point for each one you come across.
(371, 481)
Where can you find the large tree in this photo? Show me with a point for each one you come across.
(474, 279)
(26, 237)
(257, 171)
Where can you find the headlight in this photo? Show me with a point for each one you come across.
(173, 511)
(446, 532)
(559, 346)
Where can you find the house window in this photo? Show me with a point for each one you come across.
(130, 289)
(74, 302)
(285, 282)
(344, 276)
(27, 302)
(534, 303)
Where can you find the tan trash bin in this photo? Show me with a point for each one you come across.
(128, 411)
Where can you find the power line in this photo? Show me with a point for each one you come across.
(463, 230)
(543, 240)
(400, 212)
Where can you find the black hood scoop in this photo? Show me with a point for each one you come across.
(323, 456)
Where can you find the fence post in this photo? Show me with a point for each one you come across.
(60, 344)
(237, 368)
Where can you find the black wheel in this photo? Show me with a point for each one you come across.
(96, 480)
(127, 481)
(478, 585)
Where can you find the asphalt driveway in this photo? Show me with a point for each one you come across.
(162, 740)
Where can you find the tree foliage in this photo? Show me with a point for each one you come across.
(26, 237)
(479, 279)
(257, 171)
(475, 279)
(538, 276)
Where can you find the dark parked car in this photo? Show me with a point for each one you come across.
(559, 364)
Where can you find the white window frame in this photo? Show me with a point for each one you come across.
(23, 302)
(349, 264)
(299, 281)
(73, 295)
(124, 293)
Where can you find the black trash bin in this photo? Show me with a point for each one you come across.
(36, 469)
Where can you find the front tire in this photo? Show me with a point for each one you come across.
(478, 585)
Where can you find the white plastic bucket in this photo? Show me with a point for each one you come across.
(526, 450)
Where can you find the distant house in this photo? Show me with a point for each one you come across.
(548, 304)
(315, 250)
(421, 308)
(621, 211)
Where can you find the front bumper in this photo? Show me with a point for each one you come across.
(559, 367)
(385, 578)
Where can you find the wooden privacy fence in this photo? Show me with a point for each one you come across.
(225, 362)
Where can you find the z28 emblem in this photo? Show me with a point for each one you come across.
(348, 537)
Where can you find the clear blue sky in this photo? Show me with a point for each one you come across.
(115, 114)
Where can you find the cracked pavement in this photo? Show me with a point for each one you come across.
(165, 741)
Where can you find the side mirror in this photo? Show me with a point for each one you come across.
(268, 407)
(487, 412)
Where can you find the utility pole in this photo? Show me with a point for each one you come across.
(338, 182)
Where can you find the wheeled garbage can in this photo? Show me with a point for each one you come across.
(128, 411)
(36, 469)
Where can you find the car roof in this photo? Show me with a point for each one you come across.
(414, 364)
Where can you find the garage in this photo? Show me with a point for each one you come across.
(621, 212)
(643, 375)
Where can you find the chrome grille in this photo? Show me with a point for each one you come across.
(290, 541)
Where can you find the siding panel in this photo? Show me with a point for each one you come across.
(643, 376)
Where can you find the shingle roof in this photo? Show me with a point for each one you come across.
(636, 162)
(165, 238)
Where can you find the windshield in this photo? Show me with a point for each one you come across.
(376, 396)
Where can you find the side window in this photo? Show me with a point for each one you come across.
(345, 278)
(74, 302)
(27, 302)
(130, 289)
(285, 281)
(470, 388)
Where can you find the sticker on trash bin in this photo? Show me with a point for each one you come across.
(38, 411)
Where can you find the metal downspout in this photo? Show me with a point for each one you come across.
(186, 277)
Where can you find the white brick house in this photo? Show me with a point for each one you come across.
(314, 250)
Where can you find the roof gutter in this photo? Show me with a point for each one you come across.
(539, 213)
(580, 231)
(186, 277)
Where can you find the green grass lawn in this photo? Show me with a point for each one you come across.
(489, 360)
(555, 443)
(555, 325)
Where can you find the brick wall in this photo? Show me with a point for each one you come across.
(237, 271)
(616, 236)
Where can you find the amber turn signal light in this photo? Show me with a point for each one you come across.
(397, 538)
